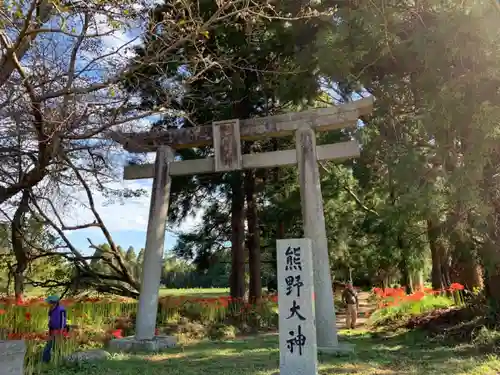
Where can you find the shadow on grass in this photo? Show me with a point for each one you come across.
(401, 354)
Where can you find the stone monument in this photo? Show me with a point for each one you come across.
(12, 354)
(297, 328)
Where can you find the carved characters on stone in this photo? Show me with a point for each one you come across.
(298, 349)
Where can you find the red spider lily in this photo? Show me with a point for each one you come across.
(246, 307)
(117, 333)
(31, 336)
(456, 286)
(14, 336)
(417, 296)
(61, 332)
(2, 312)
(399, 292)
(393, 296)
(34, 335)
(92, 299)
(27, 316)
(27, 336)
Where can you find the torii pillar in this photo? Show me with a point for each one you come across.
(155, 246)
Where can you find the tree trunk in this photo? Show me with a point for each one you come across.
(237, 279)
(7, 63)
(403, 267)
(9, 282)
(488, 252)
(411, 284)
(281, 230)
(253, 239)
(405, 276)
(445, 266)
(433, 233)
(20, 251)
(466, 269)
(491, 259)
(418, 280)
(280, 236)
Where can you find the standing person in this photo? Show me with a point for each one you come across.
(57, 324)
(350, 298)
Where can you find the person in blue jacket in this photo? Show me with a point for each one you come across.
(57, 324)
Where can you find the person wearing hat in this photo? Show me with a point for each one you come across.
(57, 323)
(350, 298)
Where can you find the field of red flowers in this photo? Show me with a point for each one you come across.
(95, 321)
(395, 306)
(387, 297)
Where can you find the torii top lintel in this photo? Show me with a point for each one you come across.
(322, 119)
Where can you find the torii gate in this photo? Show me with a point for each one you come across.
(226, 138)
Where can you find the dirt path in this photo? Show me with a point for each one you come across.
(365, 310)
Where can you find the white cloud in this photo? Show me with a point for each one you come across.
(121, 31)
(119, 214)
(130, 214)
(119, 38)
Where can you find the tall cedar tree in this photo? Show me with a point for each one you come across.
(273, 66)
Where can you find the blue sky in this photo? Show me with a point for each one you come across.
(124, 238)
(126, 220)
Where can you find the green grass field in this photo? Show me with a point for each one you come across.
(191, 292)
(404, 354)
(195, 292)
(188, 292)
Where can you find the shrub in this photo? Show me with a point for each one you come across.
(186, 330)
(407, 308)
(220, 331)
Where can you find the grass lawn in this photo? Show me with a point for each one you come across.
(190, 292)
(195, 292)
(404, 354)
